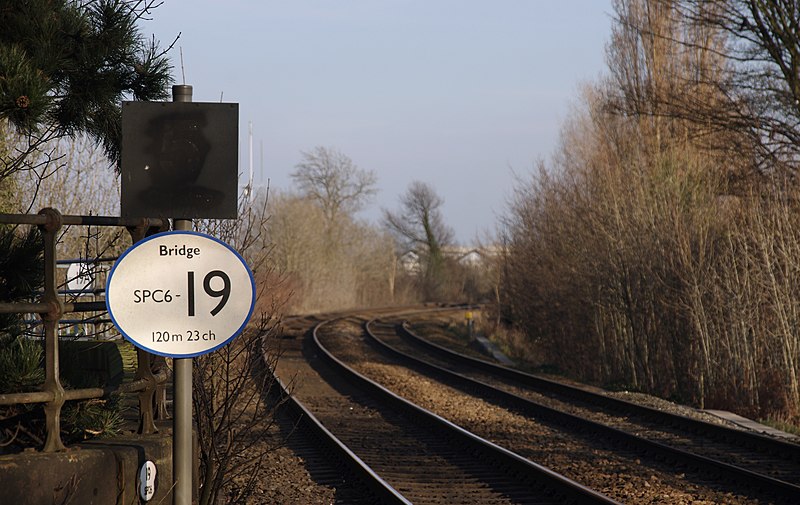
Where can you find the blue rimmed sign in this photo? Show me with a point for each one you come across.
(180, 294)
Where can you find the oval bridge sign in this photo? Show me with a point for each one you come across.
(180, 294)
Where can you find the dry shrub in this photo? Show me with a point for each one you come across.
(278, 286)
(637, 268)
(232, 412)
(658, 252)
(329, 264)
(752, 310)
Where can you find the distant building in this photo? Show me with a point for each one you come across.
(473, 257)
(409, 262)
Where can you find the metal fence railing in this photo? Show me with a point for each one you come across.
(151, 371)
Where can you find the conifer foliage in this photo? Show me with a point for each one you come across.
(65, 66)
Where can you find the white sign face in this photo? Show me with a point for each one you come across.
(147, 480)
(80, 277)
(180, 294)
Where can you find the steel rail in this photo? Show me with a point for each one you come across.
(745, 438)
(570, 490)
(738, 474)
(379, 487)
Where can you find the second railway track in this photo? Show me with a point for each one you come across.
(763, 455)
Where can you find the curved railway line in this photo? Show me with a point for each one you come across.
(493, 435)
(778, 460)
(404, 454)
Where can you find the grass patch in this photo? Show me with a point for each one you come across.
(792, 427)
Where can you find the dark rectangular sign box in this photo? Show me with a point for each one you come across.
(180, 160)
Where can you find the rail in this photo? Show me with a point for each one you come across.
(559, 488)
(151, 371)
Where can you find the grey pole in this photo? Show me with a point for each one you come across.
(182, 423)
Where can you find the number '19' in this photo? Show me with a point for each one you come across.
(223, 293)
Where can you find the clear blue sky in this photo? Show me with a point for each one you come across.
(455, 93)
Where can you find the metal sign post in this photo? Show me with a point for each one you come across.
(180, 294)
(182, 428)
(182, 423)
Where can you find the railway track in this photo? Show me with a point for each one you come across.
(416, 467)
(766, 466)
(407, 454)
(757, 453)
(322, 457)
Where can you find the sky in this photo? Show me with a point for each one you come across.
(459, 94)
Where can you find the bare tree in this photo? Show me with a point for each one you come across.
(231, 410)
(419, 223)
(628, 261)
(667, 75)
(334, 182)
(83, 186)
(419, 226)
(729, 69)
(764, 50)
(328, 266)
